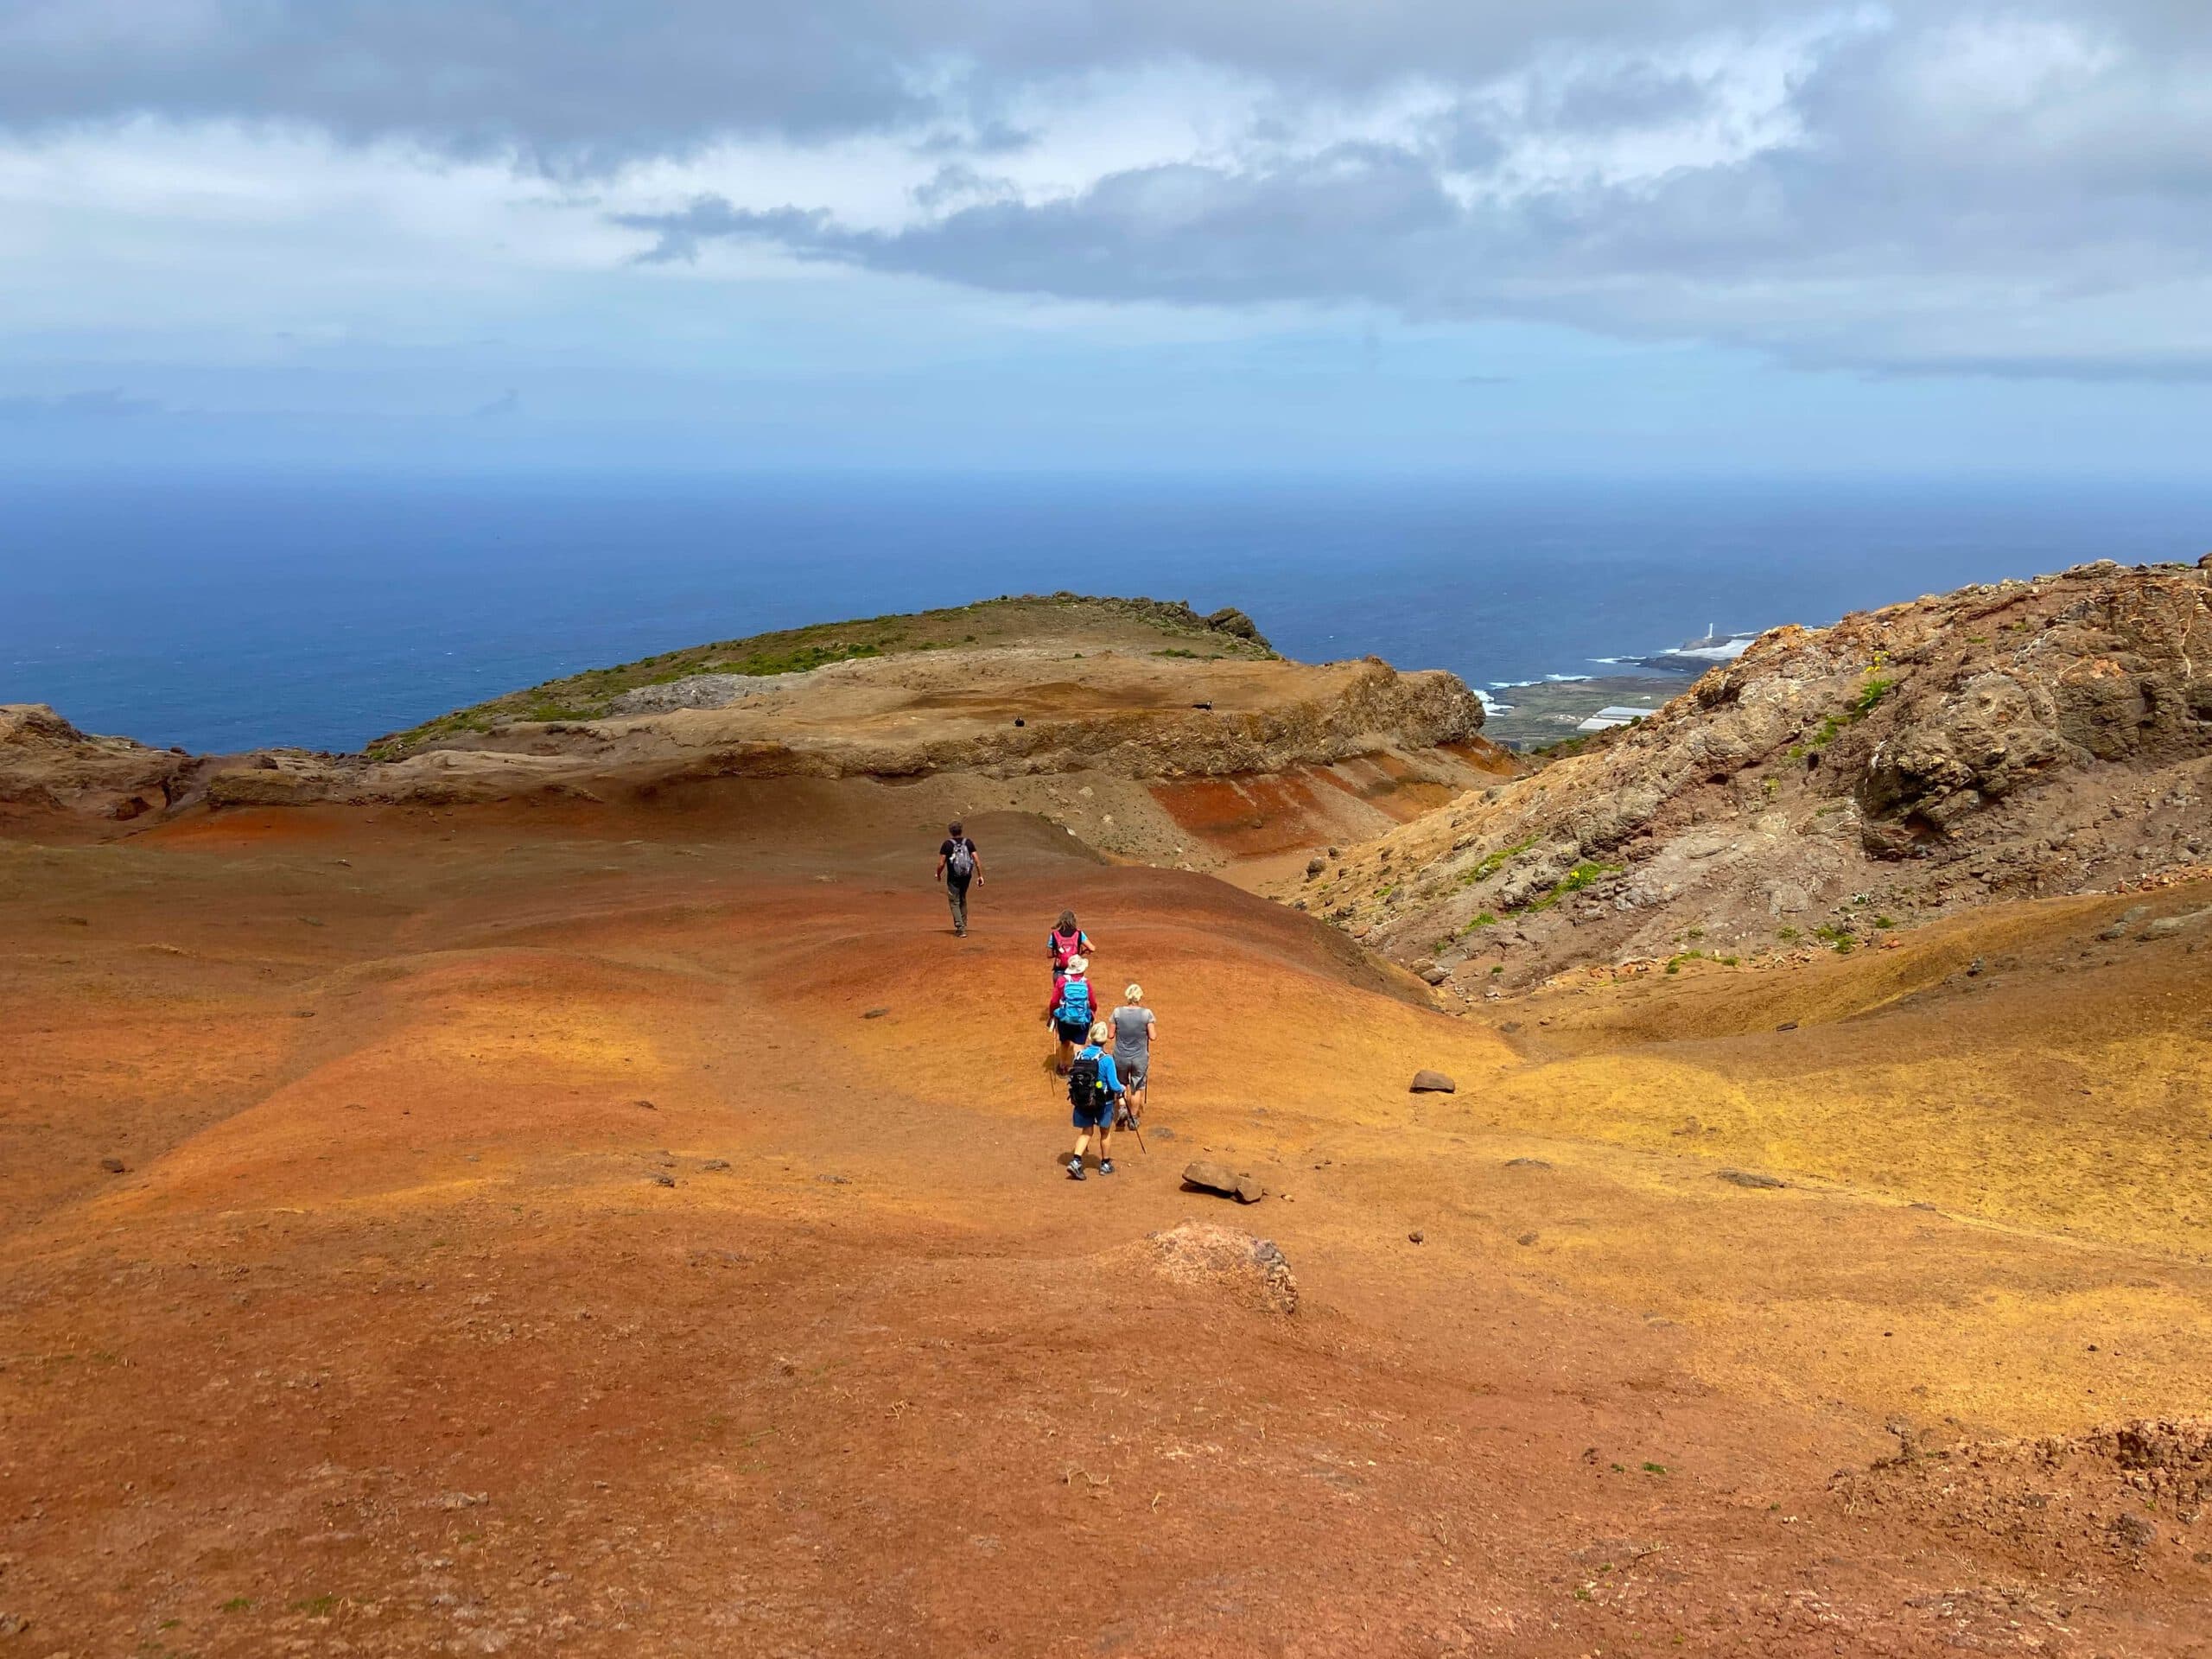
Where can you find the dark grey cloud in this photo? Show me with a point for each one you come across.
(589, 82)
(2025, 185)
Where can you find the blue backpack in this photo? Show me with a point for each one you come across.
(1075, 1003)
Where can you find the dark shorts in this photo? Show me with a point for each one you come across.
(1073, 1030)
(1095, 1117)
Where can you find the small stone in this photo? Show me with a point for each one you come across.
(834, 1181)
(1787, 1025)
(1974, 968)
(663, 1181)
(715, 1163)
(113, 1166)
(1412, 1238)
(1315, 865)
(1526, 1163)
(1432, 1083)
(1747, 1177)
(875, 1013)
(1333, 853)
(1526, 1238)
(647, 1104)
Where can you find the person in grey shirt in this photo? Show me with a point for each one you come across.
(1134, 1030)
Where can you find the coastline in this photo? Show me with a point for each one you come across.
(1524, 717)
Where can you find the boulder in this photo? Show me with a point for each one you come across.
(1228, 620)
(1747, 1177)
(1437, 974)
(1432, 1083)
(1218, 1177)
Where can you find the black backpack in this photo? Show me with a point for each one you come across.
(1083, 1086)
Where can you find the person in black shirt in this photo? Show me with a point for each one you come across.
(958, 863)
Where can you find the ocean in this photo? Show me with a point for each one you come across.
(221, 612)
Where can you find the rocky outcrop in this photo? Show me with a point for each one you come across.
(1829, 786)
(48, 766)
(1228, 620)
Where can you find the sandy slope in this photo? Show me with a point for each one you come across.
(390, 1335)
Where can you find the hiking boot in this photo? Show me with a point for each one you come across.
(1075, 1169)
(1105, 1166)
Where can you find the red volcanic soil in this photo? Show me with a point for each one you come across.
(568, 1229)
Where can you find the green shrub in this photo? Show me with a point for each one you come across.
(1877, 686)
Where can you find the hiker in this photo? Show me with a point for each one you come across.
(1095, 1092)
(957, 864)
(1066, 940)
(1072, 1010)
(1134, 1030)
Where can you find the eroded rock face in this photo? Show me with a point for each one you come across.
(2019, 738)
(47, 764)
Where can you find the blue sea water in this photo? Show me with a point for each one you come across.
(224, 611)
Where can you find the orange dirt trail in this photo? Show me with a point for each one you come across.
(392, 1339)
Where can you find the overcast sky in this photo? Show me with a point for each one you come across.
(1588, 235)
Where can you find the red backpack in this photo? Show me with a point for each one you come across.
(1064, 947)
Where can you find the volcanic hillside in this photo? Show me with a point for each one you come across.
(1831, 786)
(623, 1220)
(1148, 730)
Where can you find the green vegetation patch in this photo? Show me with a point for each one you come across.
(1581, 876)
(1877, 686)
(1490, 863)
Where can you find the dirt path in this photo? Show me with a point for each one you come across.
(528, 1241)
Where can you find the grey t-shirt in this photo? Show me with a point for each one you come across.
(1132, 1035)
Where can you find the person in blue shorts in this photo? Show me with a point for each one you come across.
(1095, 1092)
